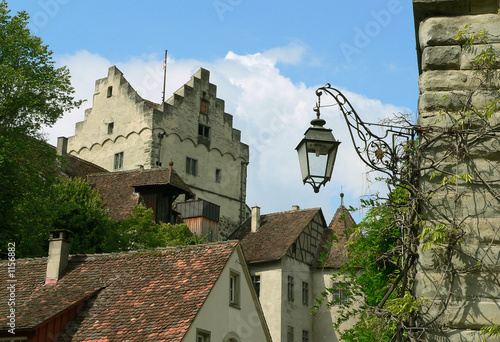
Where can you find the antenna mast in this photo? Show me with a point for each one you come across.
(164, 77)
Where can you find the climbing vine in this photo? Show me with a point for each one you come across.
(427, 225)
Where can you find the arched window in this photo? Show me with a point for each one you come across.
(231, 337)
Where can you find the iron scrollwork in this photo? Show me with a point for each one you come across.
(380, 152)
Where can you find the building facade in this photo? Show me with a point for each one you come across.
(283, 252)
(123, 131)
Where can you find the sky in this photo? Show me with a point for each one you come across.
(267, 58)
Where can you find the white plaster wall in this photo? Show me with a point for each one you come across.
(226, 194)
(323, 322)
(295, 313)
(271, 295)
(223, 320)
(132, 122)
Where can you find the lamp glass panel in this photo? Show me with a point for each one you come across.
(318, 158)
(302, 152)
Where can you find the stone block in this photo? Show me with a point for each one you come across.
(465, 287)
(469, 257)
(441, 58)
(468, 54)
(442, 30)
(446, 80)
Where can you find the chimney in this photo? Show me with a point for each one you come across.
(295, 207)
(255, 219)
(58, 255)
(62, 146)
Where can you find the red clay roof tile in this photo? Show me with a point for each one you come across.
(136, 296)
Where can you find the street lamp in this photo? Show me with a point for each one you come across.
(317, 153)
(318, 149)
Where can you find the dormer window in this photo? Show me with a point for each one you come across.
(111, 126)
(204, 107)
(110, 91)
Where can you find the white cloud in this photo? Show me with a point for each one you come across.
(271, 111)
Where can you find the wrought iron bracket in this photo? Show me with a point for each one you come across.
(384, 153)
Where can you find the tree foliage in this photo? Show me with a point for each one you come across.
(139, 231)
(33, 91)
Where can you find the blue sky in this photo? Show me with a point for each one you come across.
(266, 57)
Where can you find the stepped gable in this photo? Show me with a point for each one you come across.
(133, 296)
(118, 189)
(277, 233)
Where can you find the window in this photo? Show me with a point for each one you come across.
(204, 107)
(234, 289)
(340, 295)
(111, 126)
(256, 284)
(191, 166)
(218, 175)
(119, 161)
(202, 335)
(305, 293)
(203, 132)
(289, 334)
(305, 336)
(290, 289)
(110, 91)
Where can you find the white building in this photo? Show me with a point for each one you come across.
(283, 251)
(123, 131)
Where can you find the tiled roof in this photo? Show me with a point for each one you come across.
(117, 189)
(77, 167)
(336, 256)
(277, 232)
(135, 296)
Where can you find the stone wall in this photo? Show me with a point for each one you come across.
(465, 295)
(151, 135)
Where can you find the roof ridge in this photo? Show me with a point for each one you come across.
(149, 251)
(292, 211)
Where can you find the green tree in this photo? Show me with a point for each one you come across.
(33, 93)
(139, 231)
(78, 208)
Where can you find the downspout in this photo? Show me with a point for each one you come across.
(242, 186)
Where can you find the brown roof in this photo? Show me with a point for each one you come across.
(135, 296)
(77, 167)
(118, 189)
(335, 249)
(277, 232)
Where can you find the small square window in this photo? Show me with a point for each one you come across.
(119, 161)
(305, 293)
(290, 289)
(218, 175)
(305, 336)
(110, 91)
(202, 335)
(256, 284)
(111, 127)
(203, 132)
(340, 295)
(234, 289)
(191, 166)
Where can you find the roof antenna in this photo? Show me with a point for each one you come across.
(164, 77)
